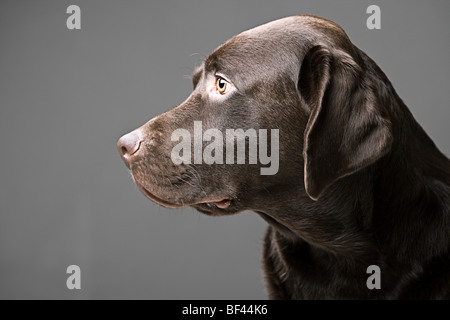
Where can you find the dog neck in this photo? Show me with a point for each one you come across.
(359, 217)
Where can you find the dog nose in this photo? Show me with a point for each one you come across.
(128, 146)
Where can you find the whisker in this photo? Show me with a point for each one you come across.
(180, 178)
(170, 182)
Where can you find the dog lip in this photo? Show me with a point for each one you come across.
(156, 199)
(220, 202)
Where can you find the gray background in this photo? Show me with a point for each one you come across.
(67, 96)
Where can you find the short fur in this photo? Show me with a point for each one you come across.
(360, 183)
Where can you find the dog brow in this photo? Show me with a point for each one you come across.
(212, 63)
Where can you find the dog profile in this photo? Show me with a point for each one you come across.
(358, 183)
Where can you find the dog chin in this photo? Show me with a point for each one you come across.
(212, 206)
(157, 199)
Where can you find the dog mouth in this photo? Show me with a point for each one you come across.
(219, 202)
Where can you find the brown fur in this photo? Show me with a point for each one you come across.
(359, 182)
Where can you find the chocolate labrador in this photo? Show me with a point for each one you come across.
(354, 183)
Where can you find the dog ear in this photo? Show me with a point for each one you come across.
(346, 129)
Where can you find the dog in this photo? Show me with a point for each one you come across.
(359, 184)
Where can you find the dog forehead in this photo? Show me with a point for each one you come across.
(277, 42)
(254, 51)
(270, 38)
(274, 51)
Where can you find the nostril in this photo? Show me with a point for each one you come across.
(128, 145)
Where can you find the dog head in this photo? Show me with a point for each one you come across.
(299, 78)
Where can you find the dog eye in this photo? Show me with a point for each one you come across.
(222, 85)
